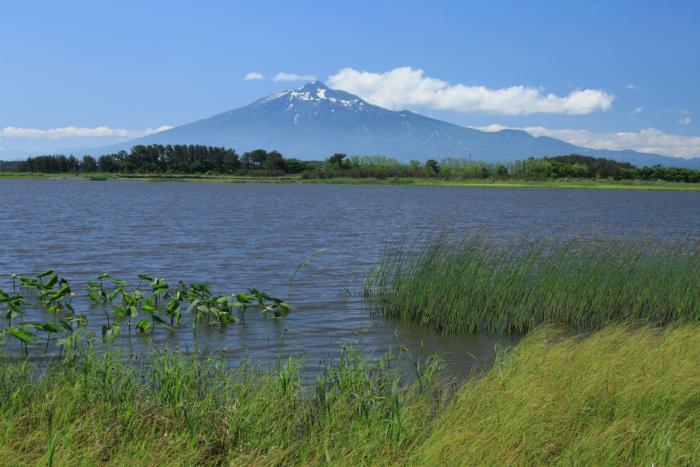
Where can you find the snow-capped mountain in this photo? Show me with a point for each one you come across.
(316, 97)
(313, 121)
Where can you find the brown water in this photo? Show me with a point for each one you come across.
(237, 236)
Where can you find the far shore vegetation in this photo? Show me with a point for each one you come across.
(212, 164)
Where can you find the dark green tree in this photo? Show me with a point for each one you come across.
(88, 164)
(433, 165)
(337, 160)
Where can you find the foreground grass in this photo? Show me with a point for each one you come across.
(619, 396)
(479, 286)
(174, 410)
(583, 184)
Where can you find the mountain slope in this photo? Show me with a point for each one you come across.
(313, 122)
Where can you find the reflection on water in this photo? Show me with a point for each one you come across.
(239, 236)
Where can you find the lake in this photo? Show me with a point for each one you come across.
(237, 236)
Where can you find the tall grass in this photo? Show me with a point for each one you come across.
(177, 410)
(480, 286)
(620, 396)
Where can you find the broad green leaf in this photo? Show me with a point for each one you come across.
(22, 335)
(48, 327)
(66, 325)
(119, 311)
(95, 296)
(52, 280)
(162, 322)
(109, 333)
(80, 319)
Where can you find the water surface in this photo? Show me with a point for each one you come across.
(237, 236)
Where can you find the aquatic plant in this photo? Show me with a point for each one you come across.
(476, 285)
(73, 326)
(276, 306)
(110, 332)
(49, 328)
(11, 305)
(55, 294)
(23, 334)
(121, 305)
(96, 290)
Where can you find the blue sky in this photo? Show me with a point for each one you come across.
(605, 74)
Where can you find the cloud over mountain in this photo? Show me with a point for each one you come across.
(408, 87)
(282, 76)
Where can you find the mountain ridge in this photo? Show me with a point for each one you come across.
(314, 121)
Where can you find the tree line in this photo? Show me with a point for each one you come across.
(200, 159)
(161, 159)
(558, 167)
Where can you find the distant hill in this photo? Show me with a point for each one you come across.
(313, 122)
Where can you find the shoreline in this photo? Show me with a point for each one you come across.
(586, 184)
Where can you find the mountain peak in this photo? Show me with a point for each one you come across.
(313, 97)
(313, 85)
(315, 89)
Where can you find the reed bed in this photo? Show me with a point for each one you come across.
(619, 396)
(476, 285)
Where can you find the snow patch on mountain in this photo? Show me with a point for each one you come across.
(316, 94)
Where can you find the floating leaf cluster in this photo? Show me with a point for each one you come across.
(152, 303)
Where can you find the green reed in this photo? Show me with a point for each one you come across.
(173, 409)
(477, 285)
(622, 395)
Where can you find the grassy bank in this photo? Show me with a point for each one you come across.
(479, 286)
(582, 184)
(620, 396)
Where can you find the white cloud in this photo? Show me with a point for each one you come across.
(685, 121)
(408, 87)
(645, 140)
(638, 110)
(254, 76)
(73, 132)
(282, 76)
(631, 87)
